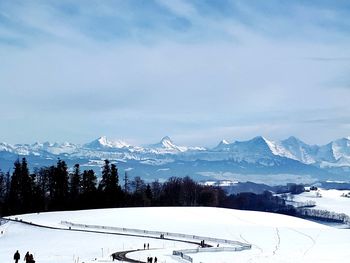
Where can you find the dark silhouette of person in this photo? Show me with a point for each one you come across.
(26, 257)
(31, 258)
(155, 259)
(16, 256)
(150, 259)
(144, 246)
(147, 245)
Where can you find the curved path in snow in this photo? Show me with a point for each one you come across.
(121, 256)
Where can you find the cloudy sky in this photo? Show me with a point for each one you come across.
(198, 71)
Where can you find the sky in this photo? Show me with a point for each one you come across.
(198, 71)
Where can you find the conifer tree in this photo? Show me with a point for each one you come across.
(59, 185)
(106, 175)
(2, 192)
(75, 184)
(126, 183)
(88, 182)
(148, 196)
(27, 186)
(2, 187)
(21, 188)
(114, 180)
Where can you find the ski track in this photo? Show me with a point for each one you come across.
(313, 240)
(278, 242)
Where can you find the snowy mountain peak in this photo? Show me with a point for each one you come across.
(167, 142)
(260, 140)
(344, 140)
(340, 148)
(224, 142)
(292, 139)
(266, 144)
(167, 145)
(103, 142)
(222, 146)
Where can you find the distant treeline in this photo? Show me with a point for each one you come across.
(55, 188)
(324, 215)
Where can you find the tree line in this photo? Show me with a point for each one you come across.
(56, 188)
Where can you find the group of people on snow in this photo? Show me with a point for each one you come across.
(145, 245)
(150, 260)
(28, 258)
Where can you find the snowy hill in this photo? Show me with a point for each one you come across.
(160, 160)
(274, 237)
(333, 200)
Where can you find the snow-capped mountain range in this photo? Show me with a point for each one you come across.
(258, 155)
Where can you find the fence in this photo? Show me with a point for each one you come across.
(159, 233)
(307, 204)
(209, 249)
(183, 253)
(237, 246)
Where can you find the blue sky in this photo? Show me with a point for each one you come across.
(198, 71)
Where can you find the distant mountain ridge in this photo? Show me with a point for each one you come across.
(258, 155)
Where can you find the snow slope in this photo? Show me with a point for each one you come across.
(331, 200)
(275, 238)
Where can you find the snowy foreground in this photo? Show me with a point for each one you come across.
(274, 238)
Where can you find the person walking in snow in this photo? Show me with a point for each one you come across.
(155, 259)
(16, 256)
(147, 245)
(31, 258)
(26, 257)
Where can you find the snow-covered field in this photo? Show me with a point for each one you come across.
(274, 238)
(331, 200)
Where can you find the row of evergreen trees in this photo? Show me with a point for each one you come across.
(55, 188)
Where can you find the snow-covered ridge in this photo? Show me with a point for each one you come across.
(258, 149)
